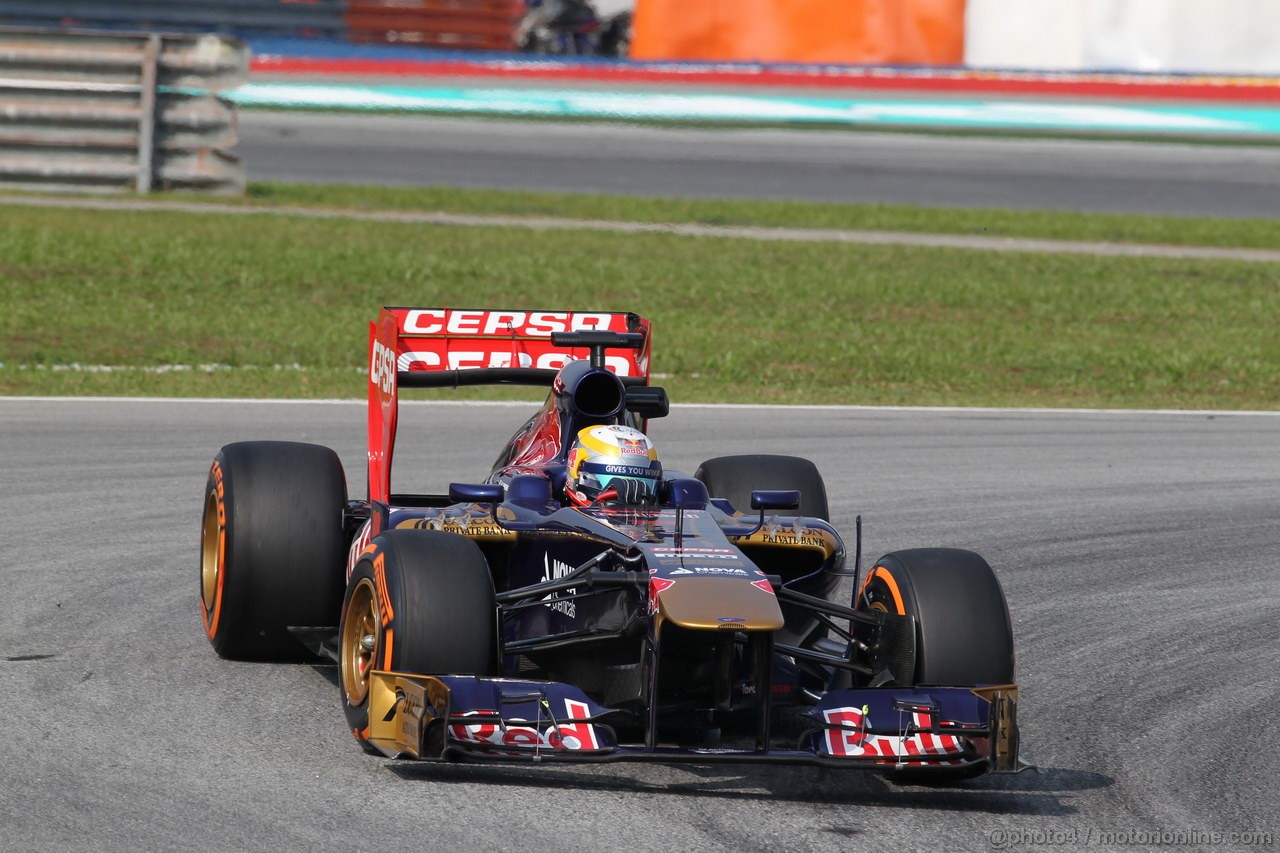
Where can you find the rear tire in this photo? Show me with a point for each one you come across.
(272, 547)
(964, 636)
(422, 602)
(735, 477)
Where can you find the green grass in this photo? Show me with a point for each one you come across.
(735, 320)
(1116, 228)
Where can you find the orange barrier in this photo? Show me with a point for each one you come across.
(463, 24)
(858, 32)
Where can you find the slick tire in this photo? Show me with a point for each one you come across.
(418, 601)
(964, 636)
(272, 547)
(735, 477)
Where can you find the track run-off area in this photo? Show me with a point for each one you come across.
(1149, 175)
(1180, 144)
(1137, 551)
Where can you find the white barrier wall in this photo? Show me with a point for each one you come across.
(1207, 36)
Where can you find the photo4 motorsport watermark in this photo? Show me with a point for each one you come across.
(1008, 839)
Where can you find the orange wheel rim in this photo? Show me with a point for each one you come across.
(361, 641)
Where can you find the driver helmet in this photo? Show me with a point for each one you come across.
(614, 457)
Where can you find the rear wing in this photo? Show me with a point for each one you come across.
(449, 347)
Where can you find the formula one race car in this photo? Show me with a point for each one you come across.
(580, 603)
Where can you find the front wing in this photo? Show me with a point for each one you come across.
(448, 717)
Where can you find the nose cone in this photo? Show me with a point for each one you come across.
(720, 603)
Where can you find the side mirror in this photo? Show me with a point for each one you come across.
(648, 401)
(687, 494)
(765, 499)
(477, 493)
(530, 491)
(559, 476)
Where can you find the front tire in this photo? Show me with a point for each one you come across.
(272, 547)
(963, 632)
(419, 601)
(964, 636)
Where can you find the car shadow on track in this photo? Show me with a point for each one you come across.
(1045, 793)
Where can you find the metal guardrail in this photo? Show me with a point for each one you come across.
(91, 110)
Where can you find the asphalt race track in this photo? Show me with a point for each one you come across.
(1138, 552)
(817, 165)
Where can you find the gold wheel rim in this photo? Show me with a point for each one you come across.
(210, 556)
(357, 659)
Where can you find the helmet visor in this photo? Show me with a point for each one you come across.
(596, 477)
(649, 487)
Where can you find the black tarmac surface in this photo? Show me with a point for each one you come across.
(816, 165)
(1139, 553)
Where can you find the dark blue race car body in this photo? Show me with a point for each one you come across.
(503, 622)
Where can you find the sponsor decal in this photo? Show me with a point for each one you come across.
(730, 619)
(622, 517)
(447, 339)
(793, 539)
(566, 736)
(849, 737)
(468, 359)
(717, 750)
(628, 470)
(357, 547)
(792, 534)
(657, 585)
(217, 478)
(410, 716)
(382, 367)
(632, 446)
(537, 324)
(719, 570)
(629, 514)
(477, 526)
(676, 555)
(555, 570)
(680, 572)
(384, 596)
(676, 552)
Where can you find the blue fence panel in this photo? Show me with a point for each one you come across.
(318, 18)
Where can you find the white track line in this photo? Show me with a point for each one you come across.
(788, 235)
